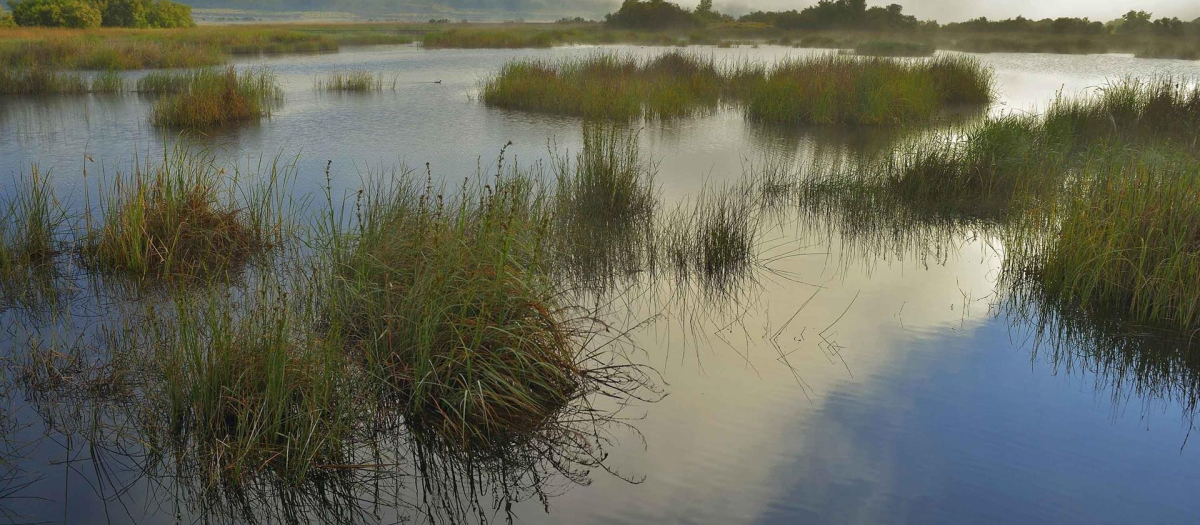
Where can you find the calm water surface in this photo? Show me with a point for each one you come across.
(851, 382)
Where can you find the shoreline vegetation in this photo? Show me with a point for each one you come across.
(828, 89)
(105, 49)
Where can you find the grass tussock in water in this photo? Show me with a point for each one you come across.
(40, 81)
(355, 81)
(825, 90)
(609, 184)
(608, 86)
(980, 175)
(184, 217)
(872, 91)
(714, 239)
(108, 82)
(31, 222)
(248, 384)
(606, 205)
(213, 97)
(454, 310)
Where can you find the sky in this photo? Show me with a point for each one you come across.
(958, 10)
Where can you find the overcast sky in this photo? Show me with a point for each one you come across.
(957, 10)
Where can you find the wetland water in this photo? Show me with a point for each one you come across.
(850, 380)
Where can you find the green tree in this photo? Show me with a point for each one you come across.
(1135, 22)
(6, 20)
(164, 14)
(705, 13)
(1169, 27)
(55, 13)
(125, 13)
(650, 14)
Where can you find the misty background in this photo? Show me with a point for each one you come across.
(940, 10)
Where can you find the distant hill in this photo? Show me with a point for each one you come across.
(498, 9)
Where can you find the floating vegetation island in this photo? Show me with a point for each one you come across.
(355, 81)
(207, 98)
(823, 90)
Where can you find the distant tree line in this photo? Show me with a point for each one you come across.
(1132, 23)
(841, 14)
(856, 15)
(97, 13)
(826, 14)
(660, 14)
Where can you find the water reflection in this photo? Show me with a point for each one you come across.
(846, 142)
(79, 405)
(1153, 367)
(849, 373)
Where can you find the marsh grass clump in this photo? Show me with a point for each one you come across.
(985, 172)
(893, 48)
(246, 384)
(980, 175)
(40, 81)
(1129, 110)
(606, 205)
(825, 90)
(213, 97)
(839, 89)
(355, 81)
(167, 82)
(715, 239)
(608, 184)
(108, 82)
(1124, 240)
(31, 222)
(608, 86)
(452, 307)
(184, 217)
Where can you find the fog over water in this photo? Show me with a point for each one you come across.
(959, 10)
